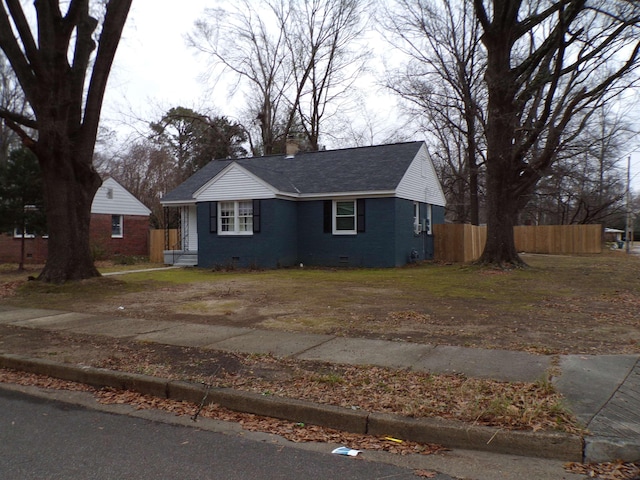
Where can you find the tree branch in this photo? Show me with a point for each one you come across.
(27, 141)
(481, 15)
(18, 118)
(19, 63)
(115, 18)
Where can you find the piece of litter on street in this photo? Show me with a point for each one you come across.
(346, 451)
(391, 439)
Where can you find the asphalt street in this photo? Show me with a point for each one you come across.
(47, 439)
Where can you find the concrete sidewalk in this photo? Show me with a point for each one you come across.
(603, 391)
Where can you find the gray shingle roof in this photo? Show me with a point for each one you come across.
(362, 169)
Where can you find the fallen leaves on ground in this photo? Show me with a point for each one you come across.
(425, 473)
(42, 381)
(508, 405)
(408, 316)
(293, 431)
(296, 432)
(511, 405)
(9, 289)
(606, 471)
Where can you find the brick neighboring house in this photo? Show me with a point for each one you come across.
(119, 226)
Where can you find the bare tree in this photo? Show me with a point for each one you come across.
(294, 59)
(11, 99)
(549, 65)
(442, 86)
(585, 183)
(148, 171)
(366, 124)
(51, 66)
(321, 36)
(242, 42)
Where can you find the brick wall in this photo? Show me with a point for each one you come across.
(35, 249)
(135, 241)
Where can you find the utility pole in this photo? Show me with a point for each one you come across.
(627, 233)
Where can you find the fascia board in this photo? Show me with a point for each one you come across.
(177, 203)
(361, 194)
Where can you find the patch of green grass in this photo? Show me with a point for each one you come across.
(210, 306)
(172, 276)
(330, 379)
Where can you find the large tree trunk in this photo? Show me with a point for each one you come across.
(69, 190)
(503, 169)
(502, 213)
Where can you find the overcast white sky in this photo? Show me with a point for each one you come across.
(154, 70)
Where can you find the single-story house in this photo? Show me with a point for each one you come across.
(119, 226)
(361, 207)
(119, 222)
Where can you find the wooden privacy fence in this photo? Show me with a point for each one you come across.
(156, 244)
(464, 243)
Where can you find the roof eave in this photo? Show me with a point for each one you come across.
(176, 203)
(359, 194)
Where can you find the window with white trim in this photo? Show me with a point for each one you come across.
(235, 218)
(17, 233)
(417, 224)
(344, 217)
(117, 228)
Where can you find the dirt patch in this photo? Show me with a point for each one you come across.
(581, 304)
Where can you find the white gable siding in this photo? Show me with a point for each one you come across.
(234, 183)
(113, 199)
(420, 182)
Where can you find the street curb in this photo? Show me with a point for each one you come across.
(451, 434)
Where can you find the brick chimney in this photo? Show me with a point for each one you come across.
(291, 147)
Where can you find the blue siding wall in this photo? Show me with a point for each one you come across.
(274, 246)
(407, 242)
(293, 233)
(437, 217)
(372, 248)
(437, 214)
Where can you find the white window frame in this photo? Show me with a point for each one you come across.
(242, 223)
(121, 225)
(17, 233)
(334, 215)
(429, 219)
(417, 224)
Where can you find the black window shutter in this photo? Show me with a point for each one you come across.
(213, 217)
(360, 222)
(256, 216)
(328, 213)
